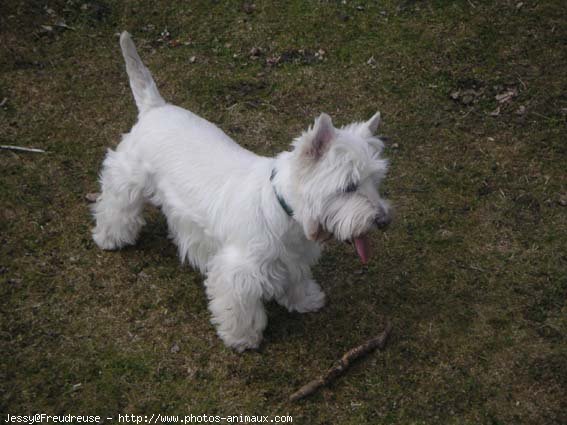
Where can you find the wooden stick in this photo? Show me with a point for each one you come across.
(19, 148)
(343, 364)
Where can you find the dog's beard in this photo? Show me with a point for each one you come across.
(350, 224)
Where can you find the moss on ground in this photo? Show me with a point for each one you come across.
(473, 273)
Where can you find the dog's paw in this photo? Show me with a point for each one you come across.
(239, 329)
(242, 342)
(108, 242)
(104, 242)
(313, 299)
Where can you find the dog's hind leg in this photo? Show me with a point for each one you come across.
(118, 210)
(234, 289)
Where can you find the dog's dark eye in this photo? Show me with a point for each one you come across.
(352, 187)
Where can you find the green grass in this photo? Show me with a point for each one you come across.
(473, 273)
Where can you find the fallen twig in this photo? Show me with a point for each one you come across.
(19, 148)
(343, 364)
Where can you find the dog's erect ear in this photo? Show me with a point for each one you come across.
(373, 123)
(320, 137)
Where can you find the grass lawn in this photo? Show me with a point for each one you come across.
(472, 273)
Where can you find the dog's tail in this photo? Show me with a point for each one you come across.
(143, 85)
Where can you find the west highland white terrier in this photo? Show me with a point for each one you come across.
(252, 225)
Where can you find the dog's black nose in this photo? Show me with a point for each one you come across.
(383, 220)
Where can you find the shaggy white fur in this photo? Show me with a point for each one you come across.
(252, 225)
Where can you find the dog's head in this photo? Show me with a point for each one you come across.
(337, 174)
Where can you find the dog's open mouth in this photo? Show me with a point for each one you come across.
(362, 245)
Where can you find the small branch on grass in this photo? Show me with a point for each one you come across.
(19, 148)
(343, 364)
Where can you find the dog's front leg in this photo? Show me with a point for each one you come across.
(302, 293)
(234, 289)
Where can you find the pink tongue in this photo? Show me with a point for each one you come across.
(362, 248)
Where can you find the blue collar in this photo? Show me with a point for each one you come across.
(281, 200)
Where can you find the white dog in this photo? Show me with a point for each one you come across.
(252, 225)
